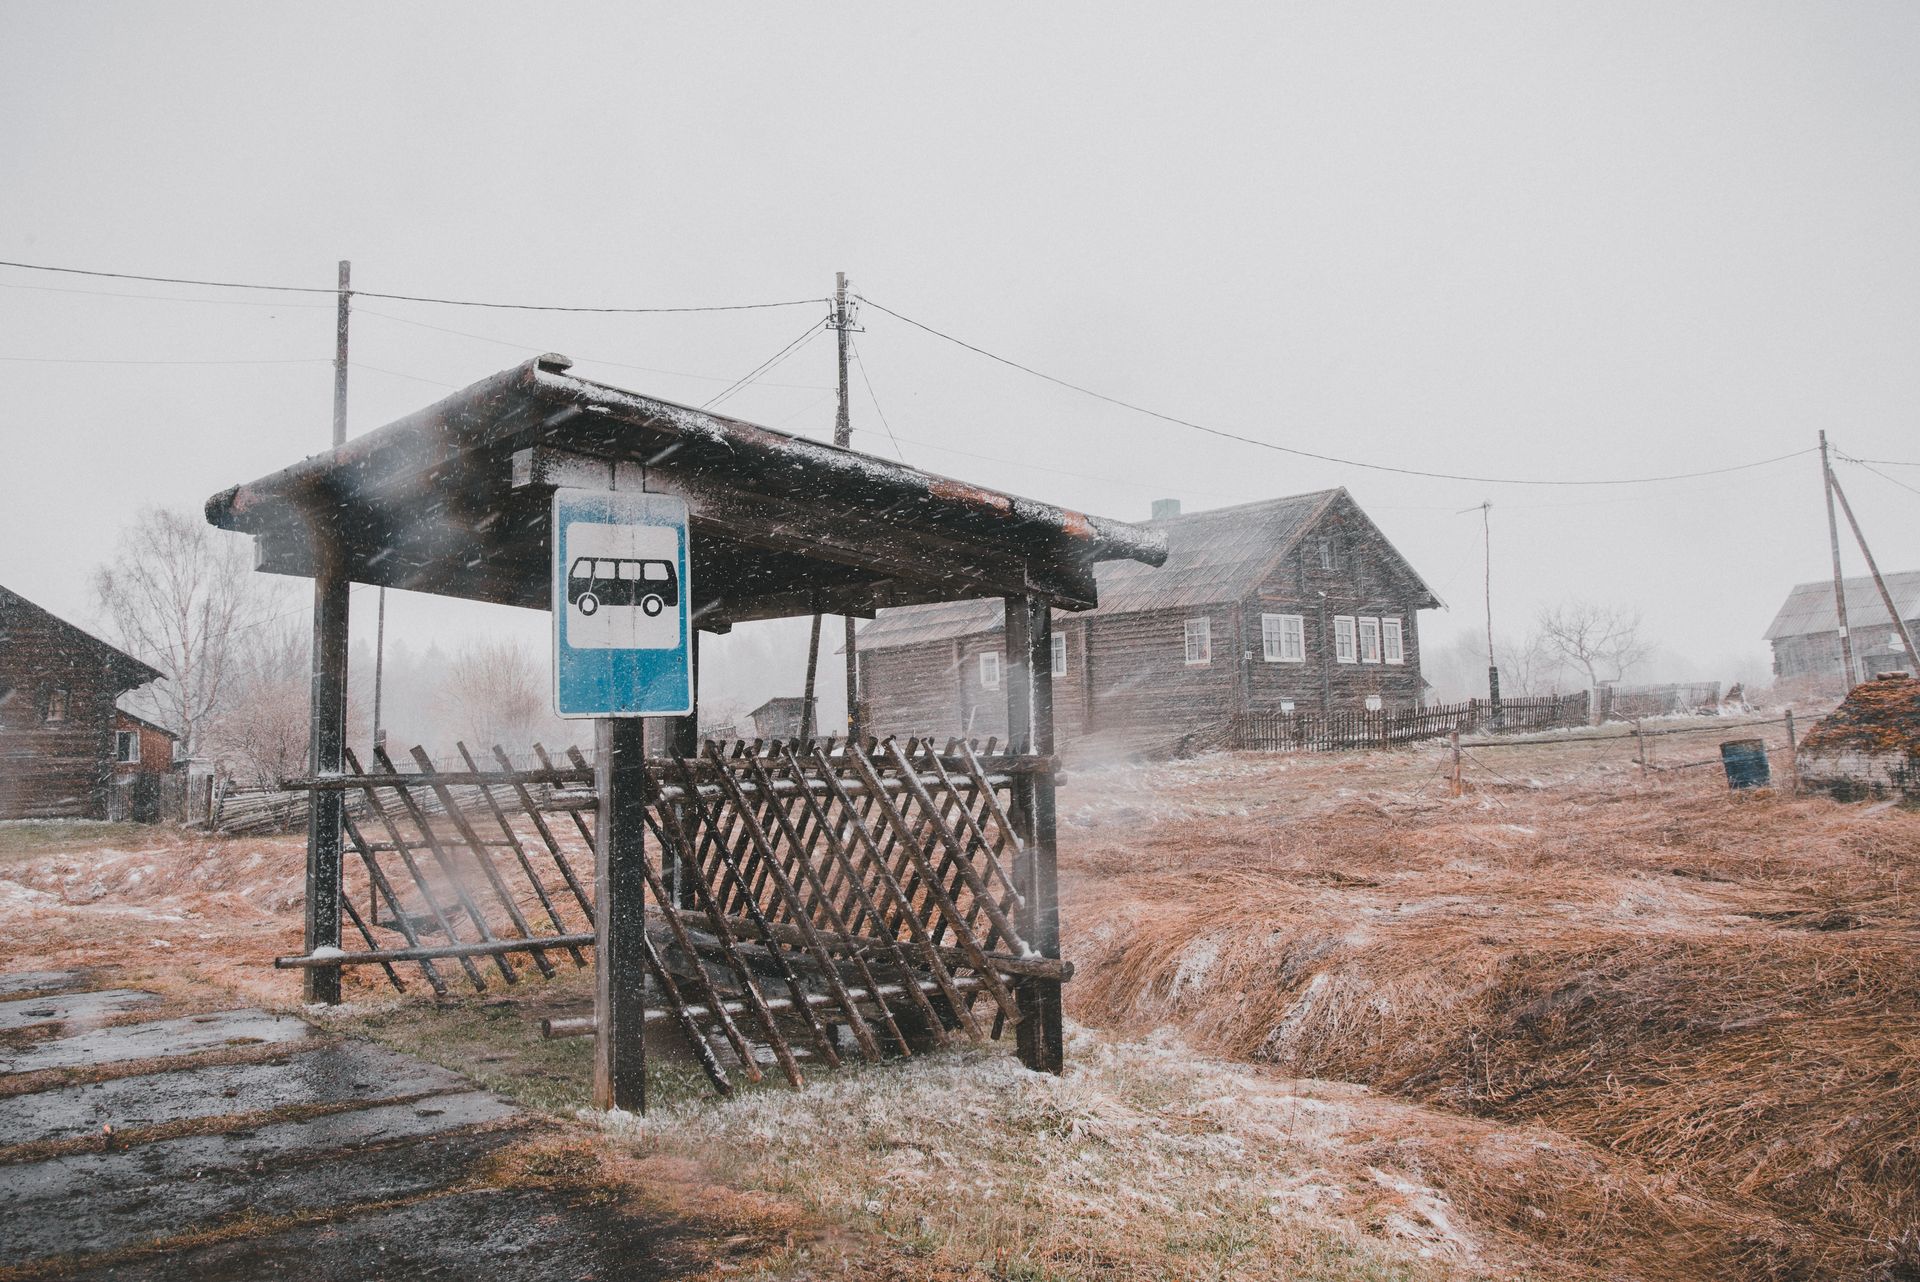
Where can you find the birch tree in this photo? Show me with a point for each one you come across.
(1603, 641)
(176, 594)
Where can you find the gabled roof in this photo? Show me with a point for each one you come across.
(1217, 555)
(137, 719)
(16, 610)
(1808, 609)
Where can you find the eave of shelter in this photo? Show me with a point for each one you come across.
(454, 499)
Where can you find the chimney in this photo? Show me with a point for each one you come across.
(1164, 508)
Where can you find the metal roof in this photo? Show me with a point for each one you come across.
(1808, 609)
(454, 499)
(1212, 556)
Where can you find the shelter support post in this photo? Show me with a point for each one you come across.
(326, 746)
(683, 740)
(620, 916)
(1029, 633)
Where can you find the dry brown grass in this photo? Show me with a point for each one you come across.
(1715, 992)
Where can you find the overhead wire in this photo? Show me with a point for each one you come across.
(1324, 458)
(401, 298)
(876, 401)
(597, 360)
(1862, 463)
(806, 336)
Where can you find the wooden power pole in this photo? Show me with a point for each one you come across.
(327, 726)
(1839, 585)
(842, 437)
(1886, 598)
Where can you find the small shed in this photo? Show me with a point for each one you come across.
(1869, 746)
(780, 717)
(457, 499)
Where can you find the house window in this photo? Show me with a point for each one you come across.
(990, 671)
(1373, 703)
(1393, 641)
(1199, 641)
(1332, 553)
(1286, 705)
(126, 746)
(1343, 643)
(1059, 647)
(1369, 640)
(1283, 638)
(57, 704)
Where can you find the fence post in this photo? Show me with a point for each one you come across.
(1641, 738)
(1455, 737)
(1793, 756)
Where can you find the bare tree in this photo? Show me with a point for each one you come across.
(495, 692)
(176, 593)
(261, 733)
(1603, 641)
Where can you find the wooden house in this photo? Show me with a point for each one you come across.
(780, 717)
(1290, 603)
(145, 756)
(1805, 634)
(58, 720)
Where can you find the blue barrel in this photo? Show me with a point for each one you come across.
(1746, 763)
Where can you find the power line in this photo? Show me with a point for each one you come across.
(1862, 463)
(876, 403)
(398, 298)
(92, 360)
(597, 360)
(806, 336)
(169, 298)
(1323, 458)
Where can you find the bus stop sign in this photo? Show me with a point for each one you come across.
(622, 625)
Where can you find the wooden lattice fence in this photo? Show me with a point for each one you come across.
(802, 899)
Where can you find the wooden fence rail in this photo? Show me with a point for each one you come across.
(1342, 731)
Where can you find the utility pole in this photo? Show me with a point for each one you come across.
(1493, 669)
(1839, 586)
(842, 437)
(327, 723)
(1886, 598)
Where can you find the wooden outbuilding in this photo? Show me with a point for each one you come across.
(1295, 602)
(856, 882)
(58, 687)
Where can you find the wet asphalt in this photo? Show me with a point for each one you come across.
(137, 1149)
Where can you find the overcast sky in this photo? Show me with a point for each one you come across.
(1552, 242)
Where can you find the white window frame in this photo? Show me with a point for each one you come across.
(1375, 703)
(1057, 652)
(989, 670)
(1281, 633)
(1346, 648)
(126, 747)
(1202, 629)
(1393, 641)
(1369, 640)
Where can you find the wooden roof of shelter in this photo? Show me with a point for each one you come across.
(1213, 556)
(454, 499)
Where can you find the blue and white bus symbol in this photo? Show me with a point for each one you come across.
(622, 605)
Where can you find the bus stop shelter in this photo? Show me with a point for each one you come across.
(818, 864)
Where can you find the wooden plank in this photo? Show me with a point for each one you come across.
(863, 1035)
(464, 827)
(620, 925)
(546, 834)
(519, 851)
(379, 809)
(891, 885)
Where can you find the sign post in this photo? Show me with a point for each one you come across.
(622, 650)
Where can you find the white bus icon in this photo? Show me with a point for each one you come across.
(623, 587)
